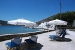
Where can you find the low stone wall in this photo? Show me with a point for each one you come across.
(72, 29)
(7, 37)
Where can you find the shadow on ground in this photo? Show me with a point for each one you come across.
(63, 40)
(39, 46)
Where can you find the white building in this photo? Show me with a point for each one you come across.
(45, 25)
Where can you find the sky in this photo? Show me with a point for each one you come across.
(33, 10)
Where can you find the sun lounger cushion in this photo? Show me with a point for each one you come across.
(11, 44)
(29, 41)
(54, 37)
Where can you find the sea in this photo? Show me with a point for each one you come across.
(15, 30)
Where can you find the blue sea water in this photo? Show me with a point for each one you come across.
(15, 29)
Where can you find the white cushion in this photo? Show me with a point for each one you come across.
(34, 38)
(16, 40)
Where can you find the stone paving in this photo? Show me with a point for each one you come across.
(45, 43)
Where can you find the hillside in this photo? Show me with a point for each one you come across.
(68, 16)
(3, 23)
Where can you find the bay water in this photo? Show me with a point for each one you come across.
(15, 30)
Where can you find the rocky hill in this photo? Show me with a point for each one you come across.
(3, 22)
(68, 16)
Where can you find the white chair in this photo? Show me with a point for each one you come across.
(13, 43)
(32, 41)
(34, 38)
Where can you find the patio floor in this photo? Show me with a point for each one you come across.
(45, 43)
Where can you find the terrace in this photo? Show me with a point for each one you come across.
(45, 43)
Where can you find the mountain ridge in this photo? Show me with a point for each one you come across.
(68, 16)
